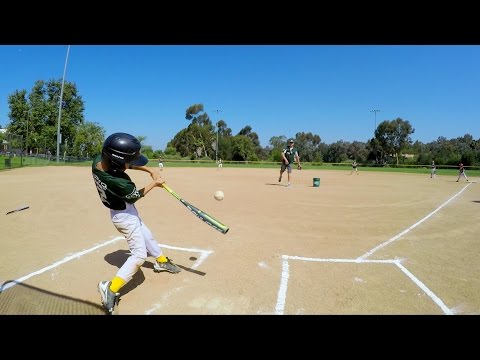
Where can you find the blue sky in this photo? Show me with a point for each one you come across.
(328, 90)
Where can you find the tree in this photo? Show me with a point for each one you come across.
(19, 114)
(223, 129)
(181, 144)
(243, 149)
(39, 110)
(2, 137)
(224, 140)
(337, 152)
(141, 138)
(308, 146)
(278, 143)
(247, 131)
(147, 150)
(171, 152)
(357, 151)
(88, 140)
(200, 131)
(196, 115)
(394, 136)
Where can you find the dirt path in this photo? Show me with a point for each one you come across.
(290, 250)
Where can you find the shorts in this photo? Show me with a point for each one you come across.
(288, 167)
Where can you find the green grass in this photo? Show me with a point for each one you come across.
(416, 169)
(413, 169)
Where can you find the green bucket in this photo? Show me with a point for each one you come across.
(316, 182)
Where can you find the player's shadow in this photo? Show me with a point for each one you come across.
(118, 258)
(277, 184)
(476, 201)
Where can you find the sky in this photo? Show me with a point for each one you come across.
(329, 90)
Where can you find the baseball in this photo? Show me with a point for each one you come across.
(218, 195)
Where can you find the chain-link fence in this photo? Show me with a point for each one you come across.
(11, 150)
(13, 154)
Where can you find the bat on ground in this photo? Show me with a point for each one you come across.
(19, 209)
(217, 225)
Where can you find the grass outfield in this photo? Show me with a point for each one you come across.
(17, 162)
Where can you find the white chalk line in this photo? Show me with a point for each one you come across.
(422, 286)
(60, 262)
(203, 256)
(164, 297)
(398, 236)
(282, 291)
(337, 260)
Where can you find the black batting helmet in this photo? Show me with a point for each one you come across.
(121, 148)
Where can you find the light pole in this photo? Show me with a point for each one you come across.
(375, 111)
(216, 144)
(26, 139)
(60, 106)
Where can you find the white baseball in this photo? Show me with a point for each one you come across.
(218, 195)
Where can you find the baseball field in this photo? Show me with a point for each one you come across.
(373, 243)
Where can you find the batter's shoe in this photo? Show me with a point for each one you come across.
(280, 179)
(166, 266)
(109, 298)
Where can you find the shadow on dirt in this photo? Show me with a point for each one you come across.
(22, 299)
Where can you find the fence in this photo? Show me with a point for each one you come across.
(11, 148)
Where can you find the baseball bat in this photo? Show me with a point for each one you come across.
(19, 209)
(217, 225)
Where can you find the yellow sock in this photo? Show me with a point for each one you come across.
(162, 259)
(117, 284)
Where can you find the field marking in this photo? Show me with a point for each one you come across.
(337, 260)
(282, 291)
(422, 286)
(203, 256)
(398, 236)
(60, 262)
(285, 275)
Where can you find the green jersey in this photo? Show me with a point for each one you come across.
(290, 154)
(114, 188)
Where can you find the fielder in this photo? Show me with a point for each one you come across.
(461, 172)
(118, 193)
(289, 155)
(354, 167)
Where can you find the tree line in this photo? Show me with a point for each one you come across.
(34, 116)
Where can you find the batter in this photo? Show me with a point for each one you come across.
(119, 193)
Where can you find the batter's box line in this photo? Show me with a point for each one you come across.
(203, 253)
(282, 291)
(77, 255)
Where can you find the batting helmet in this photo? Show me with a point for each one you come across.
(121, 148)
